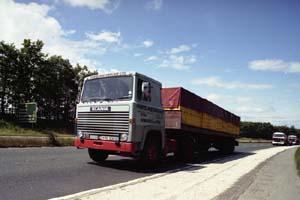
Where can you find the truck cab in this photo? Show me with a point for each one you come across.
(293, 140)
(279, 138)
(120, 113)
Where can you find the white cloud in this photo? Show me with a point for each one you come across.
(32, 20)
(76, 51)
(105, 36)
(217, 82)
(154, 5)
(105, 71)
(275, 65)
(105, 5)
(254, 109)
(148, 43)
(214, 97)
(191, 59)
(69, 32)
(178, 62)
(19, 21)
(173, 59)
(181, 48)
(151, 58)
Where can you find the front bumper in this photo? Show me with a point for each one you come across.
(280, 143)
(121, 147)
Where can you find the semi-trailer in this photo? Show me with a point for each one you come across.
(130, 114)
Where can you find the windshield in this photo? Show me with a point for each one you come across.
(108, 88)
(278, 135)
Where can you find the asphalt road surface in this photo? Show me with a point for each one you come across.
(43, 173)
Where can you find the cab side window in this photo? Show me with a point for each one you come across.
(144, 90)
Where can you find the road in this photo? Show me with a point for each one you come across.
(42, 173)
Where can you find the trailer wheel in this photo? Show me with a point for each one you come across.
(151, 154)
(227, 148)
(185, 151)
(98, 155)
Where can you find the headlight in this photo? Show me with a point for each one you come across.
(124, 137)
(80, 134)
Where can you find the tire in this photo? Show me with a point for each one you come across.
(98, 156)
(204, 148)
(227, 148)
(151, 155)
(185, 151)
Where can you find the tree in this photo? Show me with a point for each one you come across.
(27, 74)
(8, 63)
(81, 73)
(283, 129)
(293, 131)
(30, 60)
(62, 81)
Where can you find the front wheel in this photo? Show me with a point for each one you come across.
(151, 154)
(98, 155)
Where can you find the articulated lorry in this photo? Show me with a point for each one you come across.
(130, 114)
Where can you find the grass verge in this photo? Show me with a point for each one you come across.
(13, 134)
(297, 160)
(252, 140)
(10, 128)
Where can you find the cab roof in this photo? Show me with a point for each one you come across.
(116, 74)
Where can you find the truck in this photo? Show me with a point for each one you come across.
(293, 140)
(130, 114)
(279, 138)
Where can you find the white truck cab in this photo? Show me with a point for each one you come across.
(118, 113)
(279, 138)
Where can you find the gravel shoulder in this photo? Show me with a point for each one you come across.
(275, 179)
(198, 181)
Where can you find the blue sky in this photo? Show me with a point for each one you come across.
(242, 55)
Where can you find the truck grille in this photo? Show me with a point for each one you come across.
(103, 123)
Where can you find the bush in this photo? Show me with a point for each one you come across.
(297, 160)
(4, 124)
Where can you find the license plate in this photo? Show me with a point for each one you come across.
(94, 137)
(111, 138)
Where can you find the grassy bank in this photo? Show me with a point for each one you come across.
(297, 160)
(13, 134)
(252, 140)
(12, 128)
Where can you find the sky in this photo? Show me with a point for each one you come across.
(243, 55)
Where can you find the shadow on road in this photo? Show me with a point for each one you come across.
(170, 164)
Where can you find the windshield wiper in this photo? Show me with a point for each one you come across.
(106, 99)
(124, 97)
(99, 99)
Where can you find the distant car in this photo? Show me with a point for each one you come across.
(293, 140)
(279, 138)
